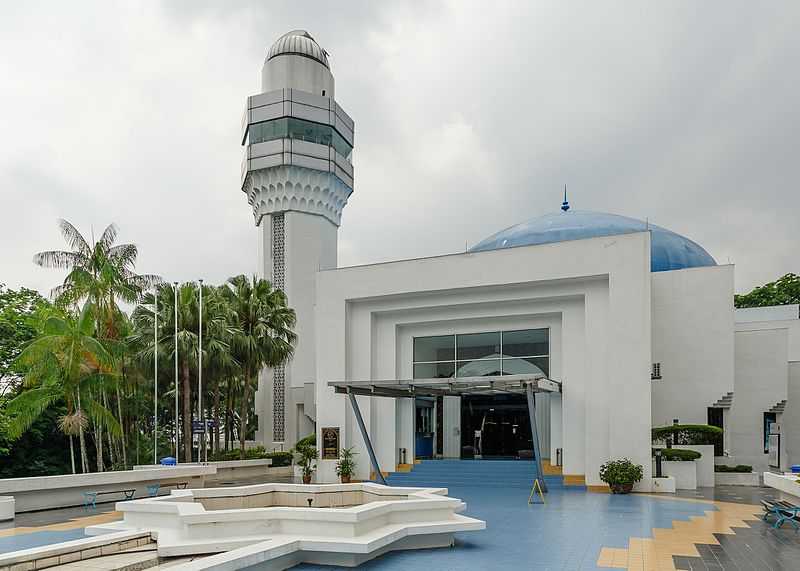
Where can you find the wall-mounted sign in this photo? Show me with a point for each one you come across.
(330, 443)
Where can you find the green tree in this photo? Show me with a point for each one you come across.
(66, 363)
(783, 291)
(20, 312)
(264, 336)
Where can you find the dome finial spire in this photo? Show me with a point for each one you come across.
(565, 204)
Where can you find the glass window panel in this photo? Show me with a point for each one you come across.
(526, 342)
(439, 348)
(526, 366)
(477, 346)
(482, 368)
(290, 128)
(434, 370)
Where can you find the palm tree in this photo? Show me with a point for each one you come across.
(264, 336)
(65, 363)
(101, 273)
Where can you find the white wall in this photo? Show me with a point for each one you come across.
(600, 287)
(761, 382)
(693, 340)
(310, 245)
(790, 423)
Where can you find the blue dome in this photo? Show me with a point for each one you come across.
(668, 250)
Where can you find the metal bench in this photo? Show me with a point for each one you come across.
(783, 511)
(153, 489)
(90, 498)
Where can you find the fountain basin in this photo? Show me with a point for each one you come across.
(346, 524)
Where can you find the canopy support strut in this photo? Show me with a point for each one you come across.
(373, 460)
(535, 437)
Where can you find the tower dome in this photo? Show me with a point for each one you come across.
(298, 42)
(668, 250)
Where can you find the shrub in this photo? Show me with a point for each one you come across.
(310, 440)
(280, 459)
(688, 434)
(677, 455)
(738, 469)
(255, 453)
(621, 472)
(346, 466)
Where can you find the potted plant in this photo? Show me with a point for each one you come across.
(307, 460)
(346, 465)
(621, 475)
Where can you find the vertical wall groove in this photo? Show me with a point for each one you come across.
(279, 373)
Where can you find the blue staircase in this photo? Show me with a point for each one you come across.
(472, 473)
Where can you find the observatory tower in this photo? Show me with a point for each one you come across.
(298, 177)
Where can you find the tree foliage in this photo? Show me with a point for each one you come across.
(20, 310)
(783, 291)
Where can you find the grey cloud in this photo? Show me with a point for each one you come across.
(469, 117)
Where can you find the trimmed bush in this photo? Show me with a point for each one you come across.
(738, 469)
(310, 440)
(688, 434)
(677, 455)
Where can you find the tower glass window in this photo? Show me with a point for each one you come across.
(516, 352)
(291, 128)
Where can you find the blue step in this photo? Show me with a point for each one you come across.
(471, 473)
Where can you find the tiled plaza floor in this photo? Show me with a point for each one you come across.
(578, 530)
(711, 529)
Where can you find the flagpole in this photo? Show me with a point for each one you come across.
(155, 375)
(177, 415)
(200, 415)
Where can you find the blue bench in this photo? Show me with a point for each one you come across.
(783, 511)
(153, 489)
(90, 498)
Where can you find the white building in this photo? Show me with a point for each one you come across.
(635, 322)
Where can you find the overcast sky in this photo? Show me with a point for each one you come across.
(470, 117)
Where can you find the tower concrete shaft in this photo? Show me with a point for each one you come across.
(297, 176)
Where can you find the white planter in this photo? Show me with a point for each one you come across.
(6, 508)
(664, 485)
(785, 483)
(737, 479)
(705, 464)
(685, 474)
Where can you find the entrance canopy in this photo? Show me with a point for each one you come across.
(460, 386)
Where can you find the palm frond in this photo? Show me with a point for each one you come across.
(27, 407)
(74, 238)
(108, 237)
(57, 259)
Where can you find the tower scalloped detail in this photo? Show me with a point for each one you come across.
(292, 188)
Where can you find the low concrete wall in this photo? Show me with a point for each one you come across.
(225, 470)
(737, 479)
(685, 474)
(48, 492)
(785, 483)
(72, 551)
(6, 508)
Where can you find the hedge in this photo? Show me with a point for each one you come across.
(256, 453)
(677, 454)
(739, 469)
(688, 434)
